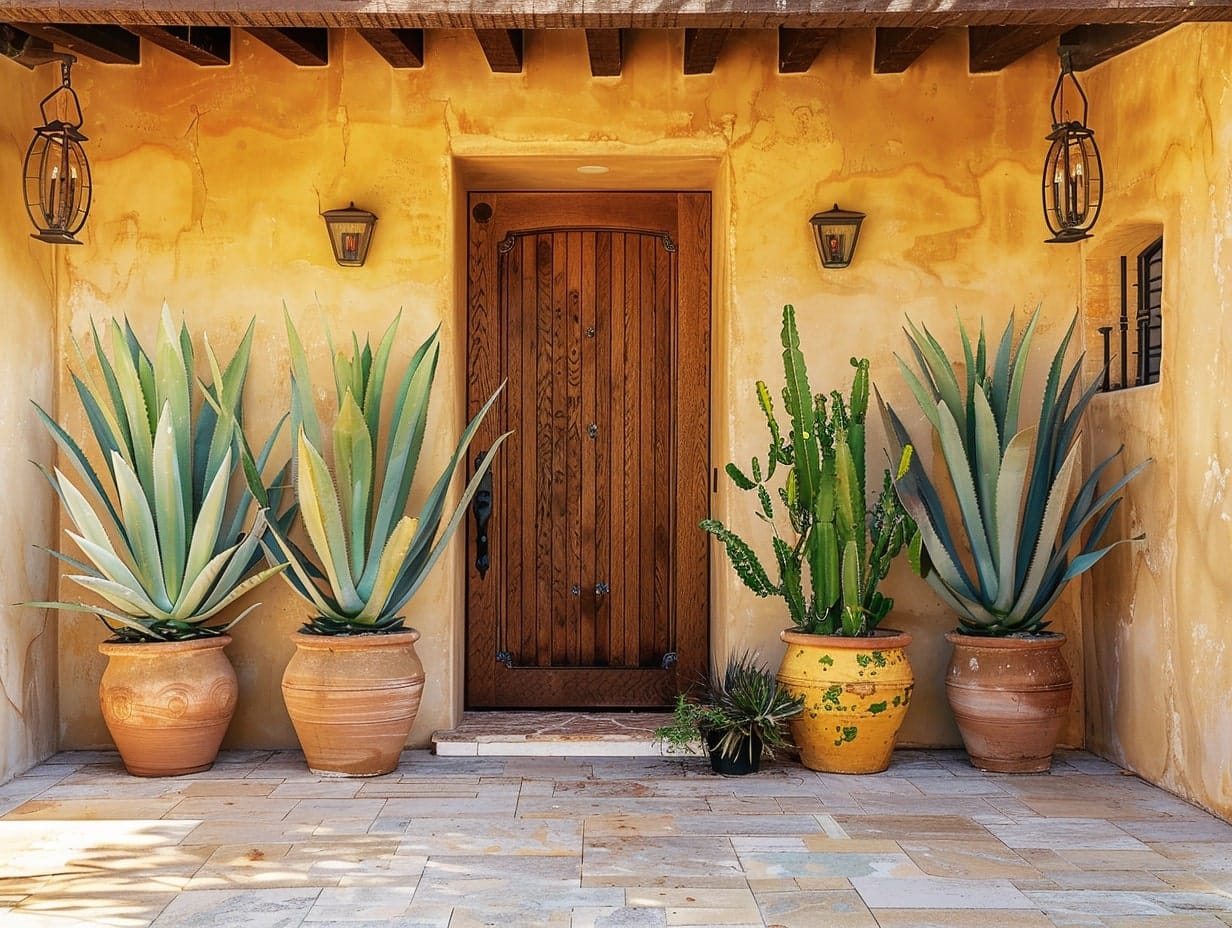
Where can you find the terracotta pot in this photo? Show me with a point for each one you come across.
(167, 704)
(1009, 697)
(353, 700)
(856, 692)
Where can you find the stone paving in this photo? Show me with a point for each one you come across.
(259, 842)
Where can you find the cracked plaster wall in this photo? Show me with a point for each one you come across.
(1159, 655)
(27, 636)
(209, 181)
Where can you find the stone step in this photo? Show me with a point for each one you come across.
(554, 734)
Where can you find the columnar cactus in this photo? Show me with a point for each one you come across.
(837, 552)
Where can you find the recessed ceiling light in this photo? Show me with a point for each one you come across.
(593, 169)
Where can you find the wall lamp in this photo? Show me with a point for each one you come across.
(1073, 182)
(57, 174)
(350, 234)
(836, 232)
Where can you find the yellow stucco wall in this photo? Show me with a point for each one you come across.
(27, 636)
(1159, 657)
(209, 181)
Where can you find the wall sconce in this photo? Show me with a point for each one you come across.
(57, 174)
(350, 234)
(836, 231)
(1073, 182)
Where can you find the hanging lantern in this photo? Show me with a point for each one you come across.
(57, 174)
(836, 231)
(1073, 182)
(350, 234)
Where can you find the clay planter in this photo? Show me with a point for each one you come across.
(167, 704)
(353, 700)
(856, 692)
(1009, 697)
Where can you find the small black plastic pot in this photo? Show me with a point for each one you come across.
(744, 762)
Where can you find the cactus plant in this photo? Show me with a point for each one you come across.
(837, 552)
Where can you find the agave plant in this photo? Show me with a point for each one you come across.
(1004, 556)
(837, 552)
(171, 529)
(745, 704)
(370, 557)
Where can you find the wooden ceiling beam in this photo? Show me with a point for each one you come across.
(1092, 45)
(617, 14)
(305, 46)
(402, 48)
(992, 48)
(108, 44)
(208, 46)
(799, 48)
(702, 48)
(502, 48)
(897, 49)
(606, 50)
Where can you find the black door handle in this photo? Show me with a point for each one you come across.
(481, 506)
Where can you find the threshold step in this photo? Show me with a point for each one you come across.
(553, 734)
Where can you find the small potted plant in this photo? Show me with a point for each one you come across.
(743, 715)
(1002, 556)
(353, 686)
(169, 531)
(831, 552)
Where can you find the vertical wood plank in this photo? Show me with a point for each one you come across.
(528, 489)
(615, 425)
(647, 614)
(664, 281)
(507, 471)
(574, 441)
(544, 560)
(587, 333)
(607, 505)
(631, 398)
(561, 569)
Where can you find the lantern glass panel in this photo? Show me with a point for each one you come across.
(57, 182)
(350, 234)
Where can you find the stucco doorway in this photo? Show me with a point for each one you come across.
(587, 586)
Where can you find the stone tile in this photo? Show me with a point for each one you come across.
(353, 811)
(255, 908)
(237, 789)
(85, 810)
(813, 909)
(95, 909)
(847, 864)
(698, 905)
(914, 826)
(1114, 860)
(1193, 830)
(969, 860)
(962, 918)
(436, 807)
(555, 806)
(1119, 880)
(239, 808)
(463, 836)
(668, 862)
(617, 917)
(216, 832)
(1169, 921)
(1069, 833)
(497, 882)
(1096, 903)
(886, 892)
(1194, 855)
(361, 904)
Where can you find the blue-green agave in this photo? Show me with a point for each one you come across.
(1002, 557)
(171, 529)
(370, 557)
(838, 551)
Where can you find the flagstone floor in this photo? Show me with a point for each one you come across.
(259, 842)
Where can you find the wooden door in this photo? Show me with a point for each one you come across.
(594, 309)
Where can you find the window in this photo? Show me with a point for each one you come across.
(1150, 322)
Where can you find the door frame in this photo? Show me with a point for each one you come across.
(690, 581)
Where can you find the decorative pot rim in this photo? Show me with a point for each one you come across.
(880, 639)
(159, 649)
(1038, 641)
(354, 642)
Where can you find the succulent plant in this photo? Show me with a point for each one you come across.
(834, 552)
(1002, 558)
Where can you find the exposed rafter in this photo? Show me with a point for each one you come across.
(402, 48)
(502, 48)
(606, 50)
(799, 48)
(208, 46)
(1094, 44)
(108, 44)
(992, 48)
(897, 49)
(306, 47)
(702, 48)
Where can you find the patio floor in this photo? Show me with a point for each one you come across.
(258, 842)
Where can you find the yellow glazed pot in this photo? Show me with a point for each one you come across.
(856, 692)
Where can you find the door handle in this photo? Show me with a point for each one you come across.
(481, 508)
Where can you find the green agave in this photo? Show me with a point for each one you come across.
(838, 551)
(370, 558)
(163, 529)
(1015, 516)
